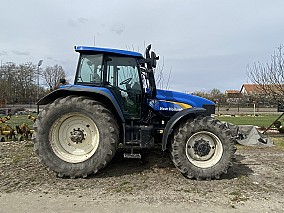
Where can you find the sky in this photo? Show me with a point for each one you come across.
(202, 44)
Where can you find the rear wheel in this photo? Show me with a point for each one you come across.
(75, 136)
(202, 148)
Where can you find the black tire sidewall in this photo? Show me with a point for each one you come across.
(92, 164)
(178, 149)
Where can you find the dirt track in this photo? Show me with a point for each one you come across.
(254, 184)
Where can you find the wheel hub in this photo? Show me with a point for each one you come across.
(202, 148)
(77, 136)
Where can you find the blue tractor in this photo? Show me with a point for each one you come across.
(114, 103)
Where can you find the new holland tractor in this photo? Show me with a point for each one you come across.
(114, 103)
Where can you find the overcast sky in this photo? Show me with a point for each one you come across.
(206, 43)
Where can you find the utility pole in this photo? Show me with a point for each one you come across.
(38, 65)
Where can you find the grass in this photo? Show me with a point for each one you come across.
(279, 142)
(261, 120)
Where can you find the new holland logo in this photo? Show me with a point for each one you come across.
(163, 105)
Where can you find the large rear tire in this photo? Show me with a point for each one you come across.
(75, 136)
(202, 148)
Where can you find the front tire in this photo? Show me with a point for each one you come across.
(75, 136)
(202, 148)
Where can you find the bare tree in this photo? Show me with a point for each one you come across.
(159, 77)
(17, 82)
(214, 95)
(217, 96)
(24, 79)
(269, 76)
(52, 76)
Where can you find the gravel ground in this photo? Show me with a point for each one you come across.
(254, 184)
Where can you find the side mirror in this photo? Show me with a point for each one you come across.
(147, 52)
(151, 60)
(154, 59)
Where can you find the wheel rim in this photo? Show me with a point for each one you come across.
(204, 149)
(74, 137)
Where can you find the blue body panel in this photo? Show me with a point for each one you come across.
(176, 101)
(92, 89)
(108, 50)
(103, 89)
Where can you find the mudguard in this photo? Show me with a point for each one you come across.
(171, 123)
(101, 92)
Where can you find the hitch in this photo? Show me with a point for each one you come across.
(273, 123)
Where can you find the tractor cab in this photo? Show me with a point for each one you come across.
(123, 73)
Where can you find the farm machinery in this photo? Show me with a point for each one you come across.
(20, 132)
(113, 103)
(6, 130)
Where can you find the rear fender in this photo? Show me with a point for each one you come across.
(175, 119)
(104, 97)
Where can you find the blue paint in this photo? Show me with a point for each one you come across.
(108, 50)
(88, 88)
(101, 90)
(165, 98)
(164, 105)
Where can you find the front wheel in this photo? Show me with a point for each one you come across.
(202, 148)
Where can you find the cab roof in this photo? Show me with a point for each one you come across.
(107, 50)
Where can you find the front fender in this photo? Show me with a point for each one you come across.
(177, 117)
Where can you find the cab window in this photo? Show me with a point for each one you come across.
(90, 69)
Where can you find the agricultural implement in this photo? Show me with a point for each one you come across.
(249, 135)
(20, 132)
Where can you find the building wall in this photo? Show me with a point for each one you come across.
(2, 103)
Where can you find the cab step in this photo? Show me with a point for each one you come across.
(132, 155)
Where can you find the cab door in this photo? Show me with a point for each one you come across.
(123, 80)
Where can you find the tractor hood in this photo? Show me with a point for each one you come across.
(166, 100)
